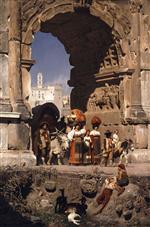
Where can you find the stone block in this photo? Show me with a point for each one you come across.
(107, 117)
(4, 13)
(149, 136)
(15, 20)
(17, 158)
(145, 91)
(4, 85)
(5, 105)
(141, 136)
(140, 156)
(4, 42)
(3, 137)
(18, 137)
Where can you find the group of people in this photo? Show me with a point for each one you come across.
(84, 146)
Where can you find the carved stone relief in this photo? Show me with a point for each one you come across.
(105, 99)
(112, 58)
(135, 5)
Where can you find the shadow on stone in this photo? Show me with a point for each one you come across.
(9, 217)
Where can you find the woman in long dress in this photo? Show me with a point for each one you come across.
(96, 140)
(76, 144)
(87, 148)
(96, 144)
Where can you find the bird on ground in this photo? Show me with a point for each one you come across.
(73, 216)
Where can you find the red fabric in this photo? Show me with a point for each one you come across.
(80, 117)
(72, 153)
(104, 198)
(96, 120)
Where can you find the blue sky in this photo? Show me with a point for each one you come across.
(51, 60)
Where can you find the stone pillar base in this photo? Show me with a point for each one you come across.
(5, 105)
(140, 156)
(137, 111)
(17, 157)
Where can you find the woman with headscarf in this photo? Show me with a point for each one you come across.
(95, 138)
(87, 147)
(76, 155)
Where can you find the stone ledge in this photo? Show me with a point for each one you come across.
(17, 158)
(140, 156)
(133, 169)
(12, 115)
(136, 120)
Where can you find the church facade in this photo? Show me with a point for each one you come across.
(41, 94)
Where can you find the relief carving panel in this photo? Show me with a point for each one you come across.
(104, 99)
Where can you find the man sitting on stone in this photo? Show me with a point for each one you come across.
(105, 195)
(121, 180)
(113, 183)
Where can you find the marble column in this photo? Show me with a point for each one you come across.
(4, 87)
(136, 105)
(26, 82)
(15, 81)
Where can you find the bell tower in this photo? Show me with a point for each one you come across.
(39, 80)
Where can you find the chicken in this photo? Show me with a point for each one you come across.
(73, 216)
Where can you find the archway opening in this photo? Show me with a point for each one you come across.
(92, 50)
(91, 46)
(50, 73)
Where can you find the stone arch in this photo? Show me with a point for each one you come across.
(110, 13)
(35, 15)
(21, 19)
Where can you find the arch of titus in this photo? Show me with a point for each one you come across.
(109, 47)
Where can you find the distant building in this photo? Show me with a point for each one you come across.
(66, 105)
(41, 94)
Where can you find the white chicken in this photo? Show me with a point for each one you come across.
(73, 216)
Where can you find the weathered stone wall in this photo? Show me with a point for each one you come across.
(4, 84)
(108, 43)
(31, 197)
(90, 20)
(13, 132)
